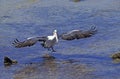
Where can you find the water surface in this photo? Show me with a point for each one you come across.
(91, 56)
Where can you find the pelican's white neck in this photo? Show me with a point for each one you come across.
(55, 35)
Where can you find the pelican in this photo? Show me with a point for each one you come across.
(46, 41)
(49, 41)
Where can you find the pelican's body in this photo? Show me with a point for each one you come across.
(46, 42)
(51, 41)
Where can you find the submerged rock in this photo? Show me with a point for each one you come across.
(55, 69)
(116, 56)
(48, 57)
(76, 0)
(8, 61)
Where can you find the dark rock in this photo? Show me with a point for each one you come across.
(116, 56)
(48, 57)
(76, 0)
(8, 61)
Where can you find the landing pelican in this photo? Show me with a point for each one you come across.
(50, 41)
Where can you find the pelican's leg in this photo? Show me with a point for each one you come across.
(53, 49)
(48, 49)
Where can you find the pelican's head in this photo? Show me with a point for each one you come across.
(55, 31)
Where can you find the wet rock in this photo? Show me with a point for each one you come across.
(70, 61)
(116, 56)
(8, 61)
(76, 0)
(48, 57)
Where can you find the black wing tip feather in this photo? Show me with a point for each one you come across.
(26, 43)
(16, 43)
(90, 32)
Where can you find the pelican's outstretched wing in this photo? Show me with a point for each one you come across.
(77, 34)
(70, 35)
(27, 42)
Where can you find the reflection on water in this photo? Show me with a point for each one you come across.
(54, 69)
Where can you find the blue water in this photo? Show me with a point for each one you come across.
(27, 18)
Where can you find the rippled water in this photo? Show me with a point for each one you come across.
(90, 56)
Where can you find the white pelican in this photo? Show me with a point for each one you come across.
(49, 41)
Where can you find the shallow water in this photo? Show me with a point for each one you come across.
(90, 56)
